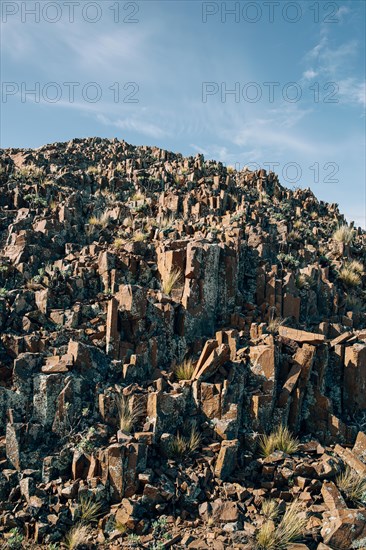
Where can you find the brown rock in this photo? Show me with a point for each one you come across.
(226, 460)
(301, 336)
(345, 528)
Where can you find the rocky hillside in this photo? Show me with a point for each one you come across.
(158, 316)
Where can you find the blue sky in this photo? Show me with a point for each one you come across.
(296, 70)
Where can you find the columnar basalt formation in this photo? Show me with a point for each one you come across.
(158, 315)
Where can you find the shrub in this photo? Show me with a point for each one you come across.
(288, 260)
(193, 441)
(290, 528)
(279, 440)
(99, 221)
(356, 266)
(77, 536)
(270, 509)
(15, 541)
(177, 447)
(344, 234)
(182, 445)
(304, 282)
(138, 196)
(89, 510)
(354, 304)
(294, 236)
(139, 237)
(349, 277)
(170, 280)
(184, 370)
(353, 486)
(118, 243)
(275, 324)
(126, 416)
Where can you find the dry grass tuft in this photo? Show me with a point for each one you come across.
(118, 243)
(356, 266)
(290, 528)
(265, 538)
(353, 486)
(270, 509)
(89, 510)
(177, 446)
(100, 221)
(275, 324)
(344, 234)
(355, 304)
(169, 281)
(138, 196)
(294, 236)
(139, 237)
(279, 440)
(92, 170)
(182, 445)
(184, 370)
(349, 277)
(126, 416)
(193, 441)
(77, 536)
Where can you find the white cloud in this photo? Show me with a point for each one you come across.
(309, 74)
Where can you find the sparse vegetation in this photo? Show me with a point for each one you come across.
(118, 243)
(344, 234)
(89, 510)
(15, 541)
(127, 415)
(294, 236)
(138, 196)
(353, 486)
(355, 304)
(133, 540)
(356, 266)
(100, 221)
(182, 445)
(77, 536)
(139, 236)
(349, 277)
(184, 370)
(290, 528)
(270, 509)
(288, 260)
(304, 282)
(92, 170)
(275, 324)
(279, 440)
(170, 280)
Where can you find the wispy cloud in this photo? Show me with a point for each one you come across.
(133, 123)
(334, 62)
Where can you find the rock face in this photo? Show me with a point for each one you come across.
(157, 315)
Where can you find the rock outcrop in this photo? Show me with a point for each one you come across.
(158, 315)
